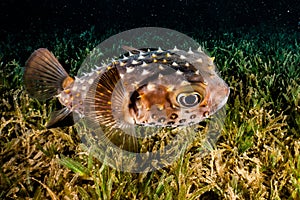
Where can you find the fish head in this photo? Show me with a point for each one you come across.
(176, 99)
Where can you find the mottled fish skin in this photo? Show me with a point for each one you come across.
(149, 88)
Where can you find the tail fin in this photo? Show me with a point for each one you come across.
(44, 76)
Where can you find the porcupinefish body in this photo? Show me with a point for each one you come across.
(151, 87)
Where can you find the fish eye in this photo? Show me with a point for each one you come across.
(189, 99)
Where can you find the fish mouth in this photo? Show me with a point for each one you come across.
(219, 98)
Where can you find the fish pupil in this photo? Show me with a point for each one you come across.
(188, 100)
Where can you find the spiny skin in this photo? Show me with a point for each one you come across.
(150, 88)
(154, 88)
(163, 88)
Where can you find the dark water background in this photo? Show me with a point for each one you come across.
(22, 20)
(186, 15)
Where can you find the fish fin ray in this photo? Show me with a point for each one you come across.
(60, 118)
(122, 138)
(43, 75)
(103, 108)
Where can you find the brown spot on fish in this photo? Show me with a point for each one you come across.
(206, 114)
(170, 123)
(173, 116)
(193, 116)
(182, 121)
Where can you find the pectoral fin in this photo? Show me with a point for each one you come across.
(60, 118)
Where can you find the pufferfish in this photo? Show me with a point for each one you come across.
(145, 87)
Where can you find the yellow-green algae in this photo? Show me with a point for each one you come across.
(256, 157)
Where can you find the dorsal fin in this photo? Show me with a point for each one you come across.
(132, 49)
